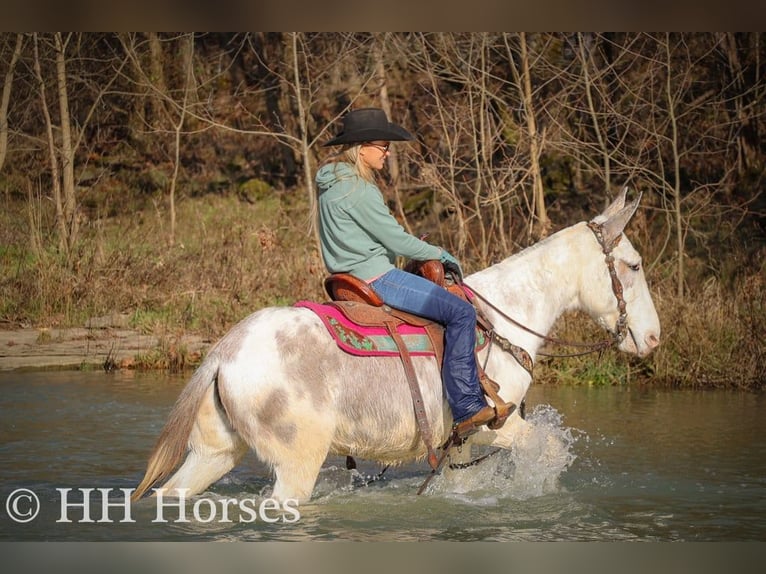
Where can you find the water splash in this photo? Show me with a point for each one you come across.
(543, 451)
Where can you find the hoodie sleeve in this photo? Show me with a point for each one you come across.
(373, 215)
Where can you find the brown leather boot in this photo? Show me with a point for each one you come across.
(472, 424)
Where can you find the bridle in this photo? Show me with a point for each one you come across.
(523, 357)
(621, 327)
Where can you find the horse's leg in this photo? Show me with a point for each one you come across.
(214, 449)
(505, 437)
(296, 473)
(526, 439)
(284, 426)
(294, 448)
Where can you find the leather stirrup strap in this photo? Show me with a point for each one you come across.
(417, 397)
(502, 409)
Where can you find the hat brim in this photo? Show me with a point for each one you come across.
(390, 133)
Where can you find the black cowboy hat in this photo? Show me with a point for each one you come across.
(366, 125)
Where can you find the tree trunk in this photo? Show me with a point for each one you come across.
(186, 61)
(303, 136)
(55, 179)
(680, 272)
(67, 149)
(542, 225)
(585, 62)
(746, 153)
(187, 47)
(6, 99)
(385, 104)
(156, 78)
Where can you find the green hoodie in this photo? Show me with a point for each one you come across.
(357, 231)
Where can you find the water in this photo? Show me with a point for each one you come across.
(616, 463)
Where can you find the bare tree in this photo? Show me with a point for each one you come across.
(303, 74)
(304, 146)
(170, 106)
(65, 134)
(745, 97)
(672, 105)
(523, 79)
(156, 78)
(61, 220)
(379, 49)
(187, 42)
(6, 98)
(585, 54)
(67, 145)
(466, 158)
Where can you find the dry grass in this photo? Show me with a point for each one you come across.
(229, 258)
(232, 256)
(715, 338)
(712, 338)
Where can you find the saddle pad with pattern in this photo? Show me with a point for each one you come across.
(373, 341)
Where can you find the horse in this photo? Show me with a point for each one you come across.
(277, 382)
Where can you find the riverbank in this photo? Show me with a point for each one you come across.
(104, 343)
(131, 299)
(108, 343)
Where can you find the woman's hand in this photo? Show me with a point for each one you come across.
(451, 265)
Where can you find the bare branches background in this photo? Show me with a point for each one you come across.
(517, 134)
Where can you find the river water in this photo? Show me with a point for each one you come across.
(637, 464)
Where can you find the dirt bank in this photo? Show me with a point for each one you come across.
(103, 339)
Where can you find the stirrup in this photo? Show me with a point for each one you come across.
(469, 426)
(503, 411)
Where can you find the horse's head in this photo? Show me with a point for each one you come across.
(621, 278)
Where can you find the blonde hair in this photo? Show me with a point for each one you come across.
(350, 154)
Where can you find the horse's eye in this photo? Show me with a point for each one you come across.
(635, 267)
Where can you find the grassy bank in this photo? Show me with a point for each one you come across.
(234, 255)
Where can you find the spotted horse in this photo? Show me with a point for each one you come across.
(278, 383)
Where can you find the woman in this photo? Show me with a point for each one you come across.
(359, 236)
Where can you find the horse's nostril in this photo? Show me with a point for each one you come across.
(652, 341)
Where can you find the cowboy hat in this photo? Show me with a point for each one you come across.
(366, 125)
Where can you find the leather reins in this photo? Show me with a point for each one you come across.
(621, 328)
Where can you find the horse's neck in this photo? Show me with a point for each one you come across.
(534, 287)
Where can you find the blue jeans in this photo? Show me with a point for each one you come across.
(414, 294)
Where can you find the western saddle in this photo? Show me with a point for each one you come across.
(362, 305)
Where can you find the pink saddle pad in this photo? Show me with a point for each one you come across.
(369, 341)
(375, 341)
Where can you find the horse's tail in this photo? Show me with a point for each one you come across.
(173, 440)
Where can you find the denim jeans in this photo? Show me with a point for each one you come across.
(414, 294)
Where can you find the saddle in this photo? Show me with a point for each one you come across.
(361, 305)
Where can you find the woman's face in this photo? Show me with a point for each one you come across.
(373, 154)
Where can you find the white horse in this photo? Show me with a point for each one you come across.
(278, 383)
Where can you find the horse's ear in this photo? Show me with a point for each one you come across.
(616, 205)
(617, 221)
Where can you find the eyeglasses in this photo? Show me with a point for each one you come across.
(381, 147)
